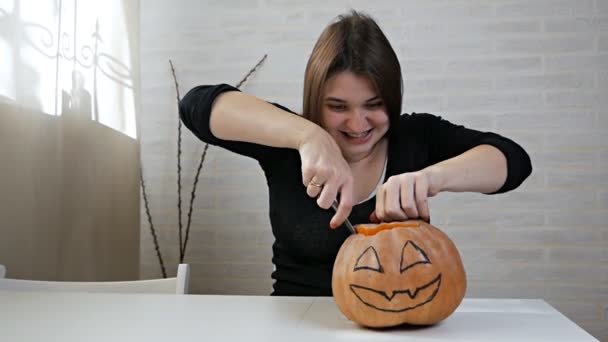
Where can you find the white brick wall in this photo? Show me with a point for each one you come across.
(535, 71)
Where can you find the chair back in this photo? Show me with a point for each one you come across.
(177, 285)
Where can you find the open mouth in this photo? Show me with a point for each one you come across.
(357, 138)
(400, 300)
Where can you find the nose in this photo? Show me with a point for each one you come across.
(357, 121)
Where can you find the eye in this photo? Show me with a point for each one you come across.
(336, 107)
(412, 255)
(374, 105)
(369, 260)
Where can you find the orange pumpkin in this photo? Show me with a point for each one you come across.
(395, 273)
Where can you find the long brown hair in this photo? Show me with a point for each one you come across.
(354, 42)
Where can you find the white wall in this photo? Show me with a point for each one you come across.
(535, 71)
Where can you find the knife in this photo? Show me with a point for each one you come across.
(347, 222)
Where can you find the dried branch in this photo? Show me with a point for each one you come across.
(182, 245)
(192, 196)
(251, 71)
(152, 230)
(179, 166)
(200, 165)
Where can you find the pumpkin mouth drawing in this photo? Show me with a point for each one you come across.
(399, 300)
(412, 256)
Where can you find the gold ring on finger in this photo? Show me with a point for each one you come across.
(315, 184)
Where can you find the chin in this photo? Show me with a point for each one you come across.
(357, 152)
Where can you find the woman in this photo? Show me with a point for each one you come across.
(351, 145)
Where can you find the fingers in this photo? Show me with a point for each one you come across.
(314, 187)
(373, 218)
(388, 200)
(421, 195)
(380, 203)
(325, 186)
(392, 200)
(345, 206)
(307, 174)
(402, 197)
(328, 195)
(315, 180)
(325, 174)
(407, 200)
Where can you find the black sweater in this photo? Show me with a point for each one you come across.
(305, 247)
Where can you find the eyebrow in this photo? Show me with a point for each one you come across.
(335, 99)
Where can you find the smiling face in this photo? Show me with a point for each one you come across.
(354, 114)
(406, 272)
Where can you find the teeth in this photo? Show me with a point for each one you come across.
(357, 135)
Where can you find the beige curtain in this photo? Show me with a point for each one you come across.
(69, 154)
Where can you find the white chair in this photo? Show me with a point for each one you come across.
(177, 285)
(2, 271)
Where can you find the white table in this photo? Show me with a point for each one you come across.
(66, 317)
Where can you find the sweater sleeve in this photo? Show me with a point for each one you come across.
(447, 140)
(195, 113)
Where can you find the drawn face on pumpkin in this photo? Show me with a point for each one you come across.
(399, 272)
(369, 265)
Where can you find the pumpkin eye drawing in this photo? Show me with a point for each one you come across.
(396, 273)
(412, 255)
(369, 261)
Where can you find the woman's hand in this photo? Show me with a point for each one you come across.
(481, 169)
(404, 197)
(325, 173)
